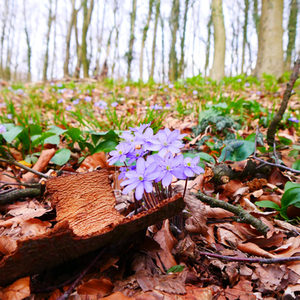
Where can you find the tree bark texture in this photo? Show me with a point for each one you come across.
(174, 25)
(217, 71)
(46, 59)
(131, 39)
(270, 51)
(245, 26)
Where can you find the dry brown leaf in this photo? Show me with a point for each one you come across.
(231, 187)
(252, 248)
(7, 179)
(273, 197)
(34, 227)
(196, 293)
(243, 290)
(167, 242)
(41, 164)
(7, 245)
(227, 237)
(289, 248)
(97, 287)
(118, 296)
(20, 289)
(91, 162)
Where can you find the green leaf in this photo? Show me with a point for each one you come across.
(74, 134)
(268, 204)
(296, 165)
(61, 157)
(237, 150)
(40, 139)
(105, 146)
(202, 155)
(175, 269)
(11, 134)
(56, 130)
(290, 197)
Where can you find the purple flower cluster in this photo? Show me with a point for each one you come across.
(151, 158)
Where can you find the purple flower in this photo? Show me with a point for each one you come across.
(76, 101)
(167, 106)
(9, 116)
(135, 154)
(195, 92)
(101, 104)
(140, 179)
(87, 99)
(156, 107)
(115, 104)
(140, 129)
(170, 166)
(171, 85)
(120, 153)
(127, 89)
(61, 100)
(123, 171)
(68, 108)
(293, 119)
(147, 140)
(2, 128)
(247, 84)
(191, 167)
(169, 141)
(239, 80)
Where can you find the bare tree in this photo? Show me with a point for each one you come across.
(163, 47)
(217, 71)
(182, 40)
(27, 42)
(270, 51)
(46, 58)
(174, 25)
(157, 12)
(144, 37)
(246, 10)
(207, 51)
(292, 25)
(131, 39)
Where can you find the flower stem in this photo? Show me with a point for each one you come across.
(185, 186)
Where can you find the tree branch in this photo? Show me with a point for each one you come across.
(242, 215)
(279, 260)
(286, 96)
(9, 196)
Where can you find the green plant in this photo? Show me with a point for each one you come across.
(270, 83)
(291, 196)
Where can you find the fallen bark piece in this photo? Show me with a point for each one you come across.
(86, 220)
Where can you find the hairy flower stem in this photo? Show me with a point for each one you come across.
(155, 199)
(160, 197)
(148, 204)
(185, 186)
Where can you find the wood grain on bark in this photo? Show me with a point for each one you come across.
(86, 221)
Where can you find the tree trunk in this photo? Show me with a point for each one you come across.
(270, 52)
(246, 9)
(46, 59)
(291, 33)
(87, 15)
(5, 14)
(28, 78)
(174, 25)
(207, 51)
(217, 72)
(181, 62)
(157, 12)
(78, 50)
(131, 39)
(68, 40)
(256, 16)
(116, 46)
(162, 48)
(145, 31)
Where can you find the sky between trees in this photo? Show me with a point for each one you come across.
(29, 27)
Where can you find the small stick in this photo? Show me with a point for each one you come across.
(185, 186)
(279, 260)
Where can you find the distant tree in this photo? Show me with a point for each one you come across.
(117, 22)
(207, 50)
(217, 71)
(157, 13)
(88, 6)
(131, 39)
(292, 25)
(26, 30)
(162, 24)
(245, 30)
(270, 51)
(4, 21)
(144, 37)
(46, 57)
(174, 25)
(182, 40)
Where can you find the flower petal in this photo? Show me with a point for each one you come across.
(139, 191)
(167, 179)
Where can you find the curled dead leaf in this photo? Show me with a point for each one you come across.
(20, 289)
(97, 287)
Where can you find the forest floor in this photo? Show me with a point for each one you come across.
(67, 231)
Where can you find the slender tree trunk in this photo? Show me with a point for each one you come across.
(46, 59)
(78, 50)
(131, 39)
(5, 14)
(291, 33)
(87, 15)
(270, 51)
(182, 41)
(207, 51)
(256, 16)
(174, 25)
(54, 41)
(163, 48)
(10, 41)
(246, 9)
(157, 12)
(145, 31)
(28, 78)
(116, 47)
(68, 40)
(217, 71)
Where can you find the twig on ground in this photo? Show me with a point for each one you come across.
(279, 260)
(242, 215)
(14, 162)
(269, 163)
(9, 196)
(67, 294)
